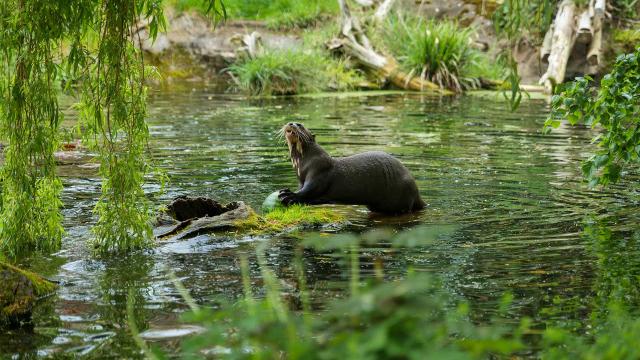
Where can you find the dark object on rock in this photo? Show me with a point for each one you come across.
(184, 208)
(19, 292)
(375, 179)
(195, 216)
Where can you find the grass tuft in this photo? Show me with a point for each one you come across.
(440, 52)
(290, 72)
(278, 73)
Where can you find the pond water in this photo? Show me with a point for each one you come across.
(506, 204)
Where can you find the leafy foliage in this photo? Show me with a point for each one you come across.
(85, 42)
(114, 109)
(409, 318)
(31, 33)
(437, 51)
(615, 107)
(615, 339)
(513, 17)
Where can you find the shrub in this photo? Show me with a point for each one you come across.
(440, 51)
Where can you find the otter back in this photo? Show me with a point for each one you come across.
(375, 179)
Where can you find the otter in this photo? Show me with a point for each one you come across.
(374, 179)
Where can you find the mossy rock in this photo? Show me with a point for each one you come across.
(18, 294)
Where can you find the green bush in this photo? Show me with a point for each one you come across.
(440, 52)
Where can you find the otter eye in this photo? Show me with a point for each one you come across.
(298, 124)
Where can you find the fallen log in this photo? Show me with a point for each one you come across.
(489, 84)
(249, 45)
(353, 42)
(562, 43)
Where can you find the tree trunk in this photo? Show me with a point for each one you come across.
(585, 28)
(545, 50)
(561, 45)
(595, 49)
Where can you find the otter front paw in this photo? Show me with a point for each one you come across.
(287, 197)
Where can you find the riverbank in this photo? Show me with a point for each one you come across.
(295, 56)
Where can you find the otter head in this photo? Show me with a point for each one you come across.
(297, 137)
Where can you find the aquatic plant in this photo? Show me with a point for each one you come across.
(408, 318)
(278, 73)
(440, 52)
(614, 107)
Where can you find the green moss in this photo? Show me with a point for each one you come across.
(283, 218)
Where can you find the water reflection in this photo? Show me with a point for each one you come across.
(617, 271)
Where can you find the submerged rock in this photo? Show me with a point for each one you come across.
(19, 293)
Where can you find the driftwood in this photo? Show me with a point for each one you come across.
(562, 42)
(353, 42)
(569, 28)
(364, 3)
(187, 217)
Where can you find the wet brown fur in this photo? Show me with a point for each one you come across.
(375, 179)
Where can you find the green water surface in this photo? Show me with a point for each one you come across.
(506, 204)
